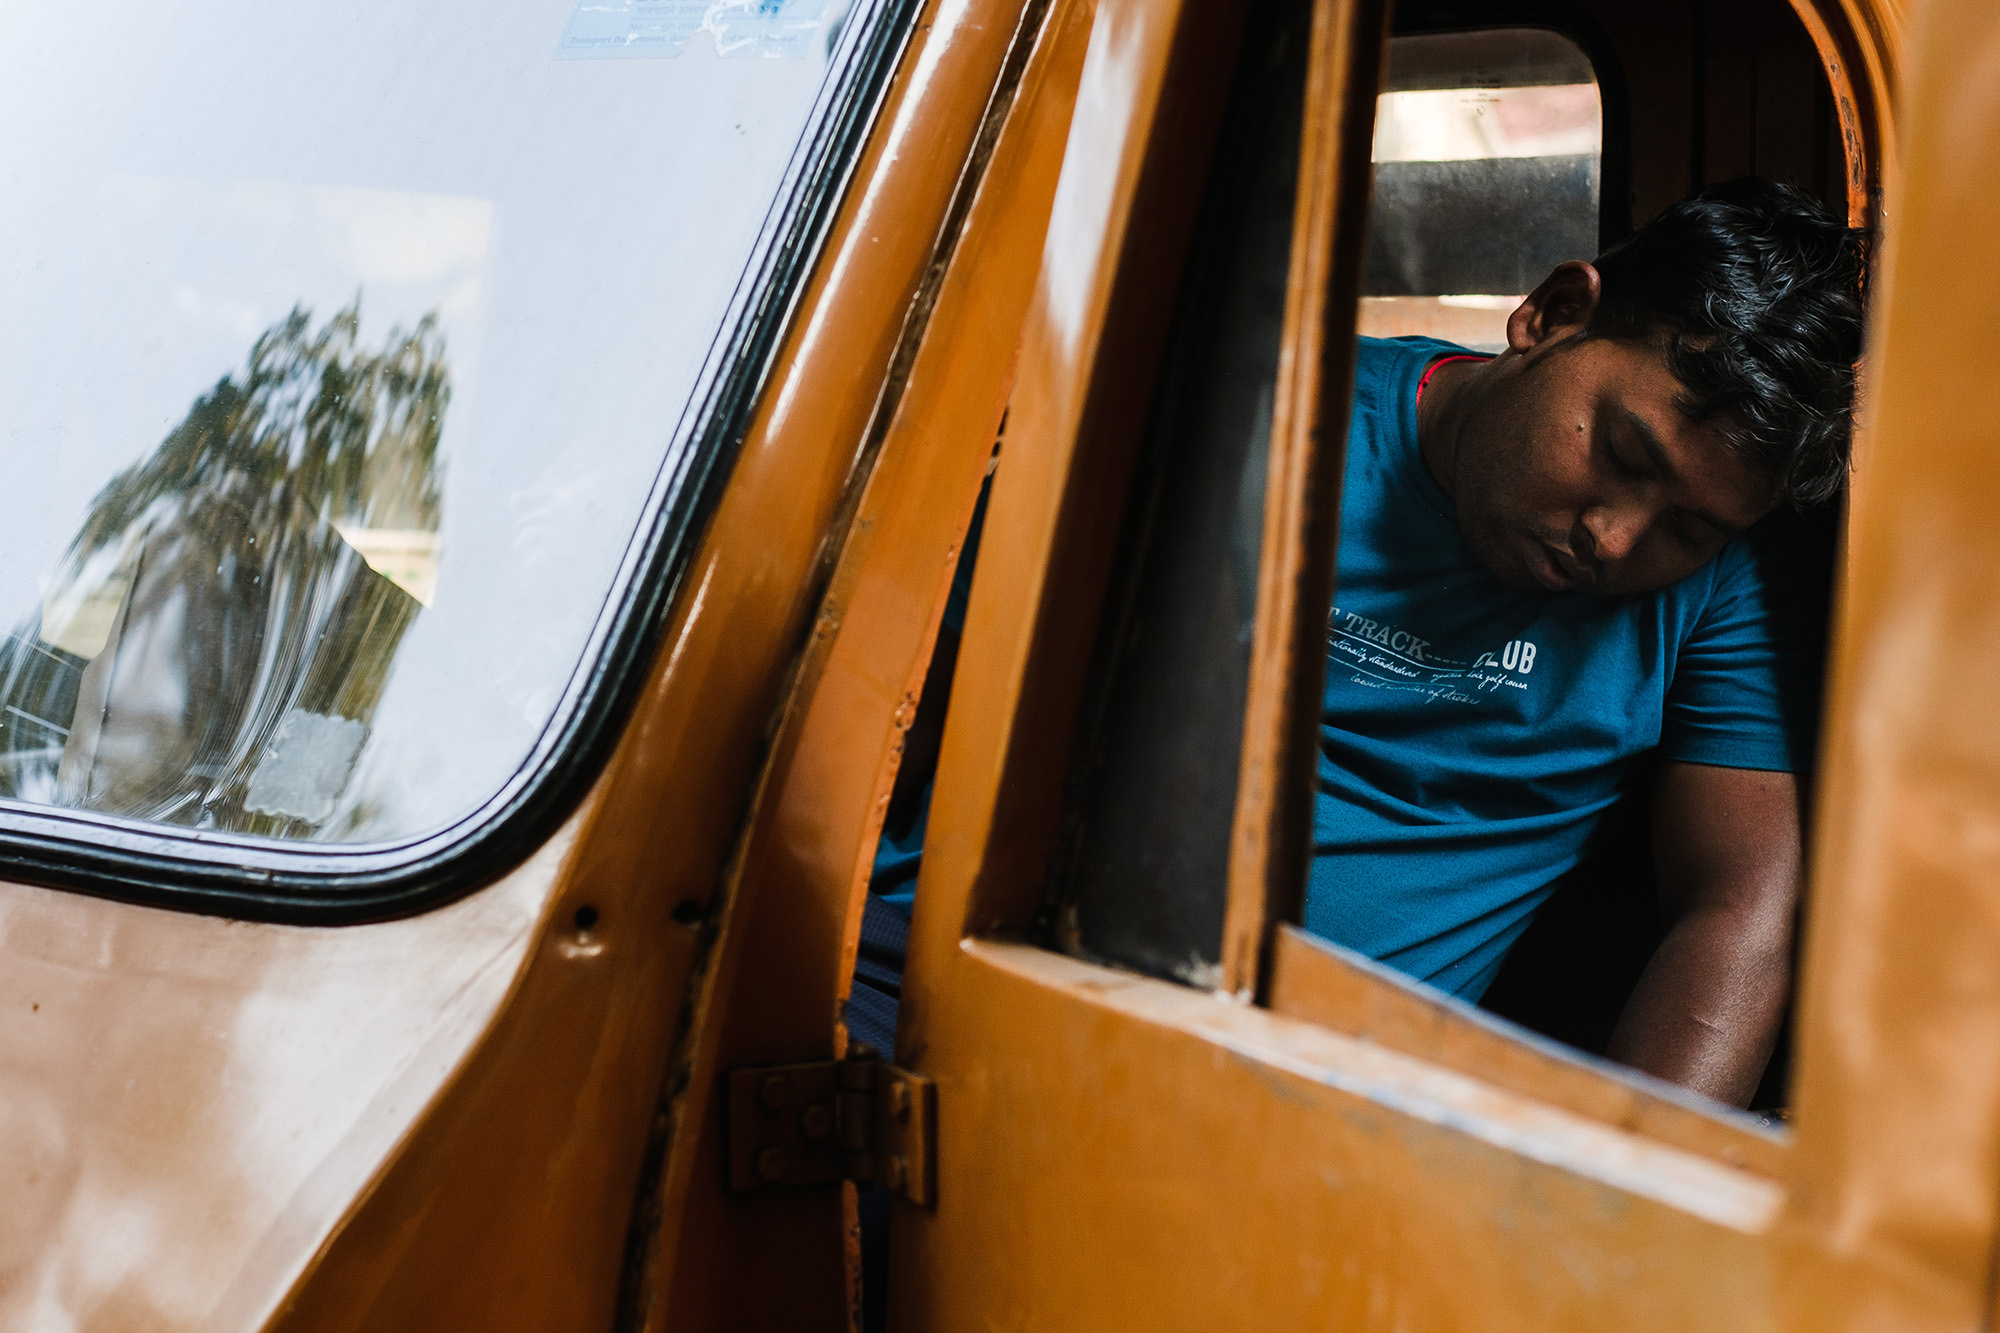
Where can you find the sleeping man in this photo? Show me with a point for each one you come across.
(1547, 571)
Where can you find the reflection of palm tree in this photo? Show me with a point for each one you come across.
(215, 642)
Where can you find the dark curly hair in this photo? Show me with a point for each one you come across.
(1758, 288)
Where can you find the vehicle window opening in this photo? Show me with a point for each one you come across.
(1492, 166)
(1489, 148)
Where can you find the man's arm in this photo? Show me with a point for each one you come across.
(1706, 1011)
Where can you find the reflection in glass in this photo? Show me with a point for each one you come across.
(318, 605)
(212, 647)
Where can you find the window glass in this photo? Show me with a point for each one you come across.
(1142, 882)
(347, 347)
(1488, 151)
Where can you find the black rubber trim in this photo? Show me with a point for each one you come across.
(331, 884)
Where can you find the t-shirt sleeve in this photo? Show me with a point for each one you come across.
(1744, 689)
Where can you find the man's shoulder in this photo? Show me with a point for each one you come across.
(1411, 350)
(1386, 370)
(1735, 569)
(1728, 600)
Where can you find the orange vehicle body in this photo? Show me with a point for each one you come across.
(506, 1112)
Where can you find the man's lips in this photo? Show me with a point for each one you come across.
(1555, 569)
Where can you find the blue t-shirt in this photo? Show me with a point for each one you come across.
(1473, 734)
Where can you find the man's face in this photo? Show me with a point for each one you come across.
(1574, 468)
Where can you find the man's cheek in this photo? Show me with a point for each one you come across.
(1659, 572)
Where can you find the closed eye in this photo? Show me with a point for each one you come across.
(1619, 464)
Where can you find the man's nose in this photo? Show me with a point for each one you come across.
(1614, 530)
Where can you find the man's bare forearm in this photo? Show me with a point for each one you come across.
(1706, 1011)
(1726, 844)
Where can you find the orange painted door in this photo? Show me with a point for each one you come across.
(1267, 1133)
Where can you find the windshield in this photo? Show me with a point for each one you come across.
(345, 346)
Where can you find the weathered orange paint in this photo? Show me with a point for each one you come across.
(1271, 824)
(1120, 1152)
(190, 1104)
(788, 949)
(1860, 45)
(1896, 1200)
(1318, 982)
(1147, 100)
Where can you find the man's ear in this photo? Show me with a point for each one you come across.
(1562, 305)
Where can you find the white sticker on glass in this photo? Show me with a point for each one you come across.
(307, 767)
(660, 29)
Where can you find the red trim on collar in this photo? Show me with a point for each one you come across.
(1432, 369)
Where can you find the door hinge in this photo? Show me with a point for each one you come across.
(859, 1119)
